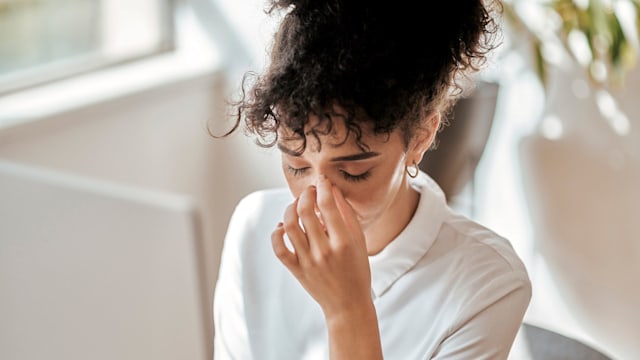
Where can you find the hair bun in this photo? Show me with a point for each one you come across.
(307, 6)
(298, 4)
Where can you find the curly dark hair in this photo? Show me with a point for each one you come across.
(388, 64)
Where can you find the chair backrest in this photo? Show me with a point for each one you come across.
(462, 142)
(97, 270)
(537, 343)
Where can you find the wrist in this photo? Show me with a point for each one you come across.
(354, 315)
(354, 333)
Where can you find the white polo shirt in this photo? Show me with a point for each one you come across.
(445, 288)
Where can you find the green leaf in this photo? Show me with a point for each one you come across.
(540, 63)
(601, 27)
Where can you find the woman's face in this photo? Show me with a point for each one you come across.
(370, 180)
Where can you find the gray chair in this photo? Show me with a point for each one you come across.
(544, 344)
(462, 142)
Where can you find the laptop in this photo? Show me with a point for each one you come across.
(91, 269)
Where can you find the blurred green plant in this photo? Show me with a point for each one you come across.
(601, 36)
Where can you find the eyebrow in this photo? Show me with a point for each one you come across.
(355, 157)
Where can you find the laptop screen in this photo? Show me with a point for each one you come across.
(97, 270)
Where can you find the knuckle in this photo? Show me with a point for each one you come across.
(341, 247)
(289, 217)
(290, 212)
(322, 256)
(306, 214)
(318, 262)
(325, 253)
(289, 226)
(305, 204)
(280, 251)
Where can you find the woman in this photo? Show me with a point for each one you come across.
(360, 258)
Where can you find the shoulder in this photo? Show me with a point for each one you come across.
(265, 196)
(469, 247)
(483, 267)
(481, 246)
(266, 200)
(465, 253)
(486, 287)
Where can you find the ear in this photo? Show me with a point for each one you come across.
(423, 139)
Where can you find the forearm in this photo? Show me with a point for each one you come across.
(355, 334)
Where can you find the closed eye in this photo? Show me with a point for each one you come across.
(297, 171)
(355, 178)
(347, 176)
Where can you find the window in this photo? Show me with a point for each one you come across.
(47, 40)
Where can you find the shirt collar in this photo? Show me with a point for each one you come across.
(401, 254)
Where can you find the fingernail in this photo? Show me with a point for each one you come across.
(280, 224)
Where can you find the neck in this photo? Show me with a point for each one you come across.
(394, 219)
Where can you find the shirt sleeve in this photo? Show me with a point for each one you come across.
(230, 326)
(490, 332)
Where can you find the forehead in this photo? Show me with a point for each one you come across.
(330, 134)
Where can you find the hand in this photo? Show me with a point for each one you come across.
(329, 261)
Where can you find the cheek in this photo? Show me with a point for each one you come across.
(369, 198)
(295, 185)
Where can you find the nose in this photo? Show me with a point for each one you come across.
(315, 178)
(322, 177)
(299, 184)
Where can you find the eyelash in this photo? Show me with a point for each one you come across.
(348, 177)
(296, 171)
(356, 178)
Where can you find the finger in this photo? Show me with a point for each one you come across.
(327, 204)
(314, 229)
(287, 257)
(348, 214)
(297, 237)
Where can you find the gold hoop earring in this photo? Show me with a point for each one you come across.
(414, 174)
